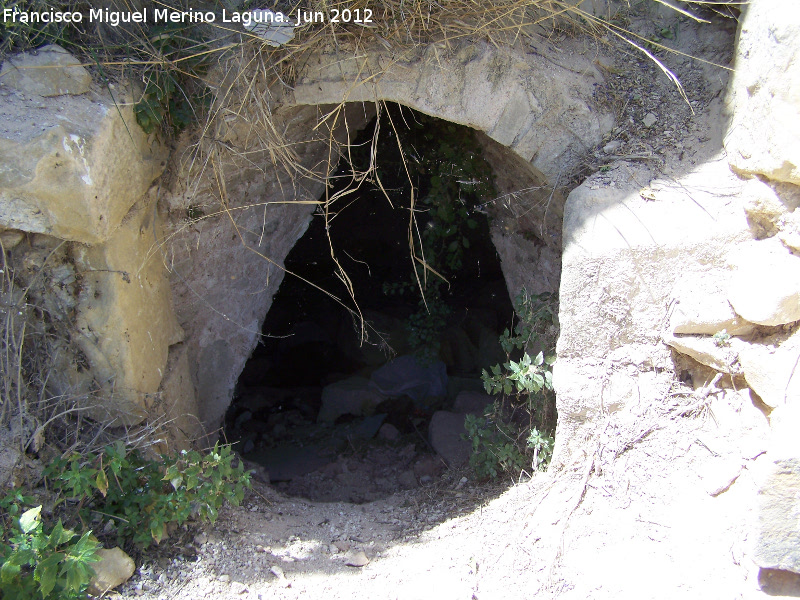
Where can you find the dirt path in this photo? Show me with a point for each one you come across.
(635, 518)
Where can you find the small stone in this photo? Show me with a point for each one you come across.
(612, 146)
(389, 432)
(342, 545)
(356, 558)
(649, 120)
(277, 571)
(51, 71)
(238, 588)
(114, 568)
(225, 578)
(201, 538)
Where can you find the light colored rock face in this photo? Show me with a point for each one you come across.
(764, 137)
(527, 102)
(698, 306)
(629, 250)
(765, 286)
(778, 545)
(114, 568)
(48, 71)
(75, 173)
(772, 368)
(125, 316)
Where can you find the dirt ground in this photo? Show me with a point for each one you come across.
(634, 518)
(659, 505)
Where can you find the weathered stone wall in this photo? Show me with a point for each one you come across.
(169, 287)
(226, 269)
(704, 262)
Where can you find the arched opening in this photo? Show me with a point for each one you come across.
(353, 400)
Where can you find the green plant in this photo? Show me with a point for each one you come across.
(179, 60)
(542, 446)
(494, 447)
(35, 563)
(722, 339)
(511, 434)
(144, 497)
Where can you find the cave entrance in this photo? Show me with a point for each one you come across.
(353, 400)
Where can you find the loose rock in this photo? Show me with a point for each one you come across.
(356, 558)
(114, 568)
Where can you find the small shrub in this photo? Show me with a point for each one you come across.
(39, 564)
(144, 497)
(494, 447)
(510, 437)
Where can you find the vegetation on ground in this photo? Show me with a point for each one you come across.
(516, 432)
(124, 496)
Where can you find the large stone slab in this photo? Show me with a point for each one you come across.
(764, 137)
(765, 286)
(627, 246)
(537, 103)
(125, 317)
(72, 166)
(47, 71)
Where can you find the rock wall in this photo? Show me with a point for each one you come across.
(165, 288)
(695, 276)
(246, 249)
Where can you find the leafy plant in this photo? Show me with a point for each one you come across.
(36, 563)
(144, 497)
(165, 100)
(722, 339)
(494, 447)
(511, 434)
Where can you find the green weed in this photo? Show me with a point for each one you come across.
(145, 497)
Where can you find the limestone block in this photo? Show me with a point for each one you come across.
(623, 253)
(699, 306)
(763, 207)
(772, 368)
(765, 287)
(778, 545)
(705, 350)
(125, 316)
(72, 166)
(764, 137)
(544, 112)
(114, 568)
(48, 71)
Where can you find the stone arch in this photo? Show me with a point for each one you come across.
(538, 120)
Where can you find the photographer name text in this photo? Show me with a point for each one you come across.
(167, 15)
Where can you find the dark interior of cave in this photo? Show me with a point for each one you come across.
(329, 410)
